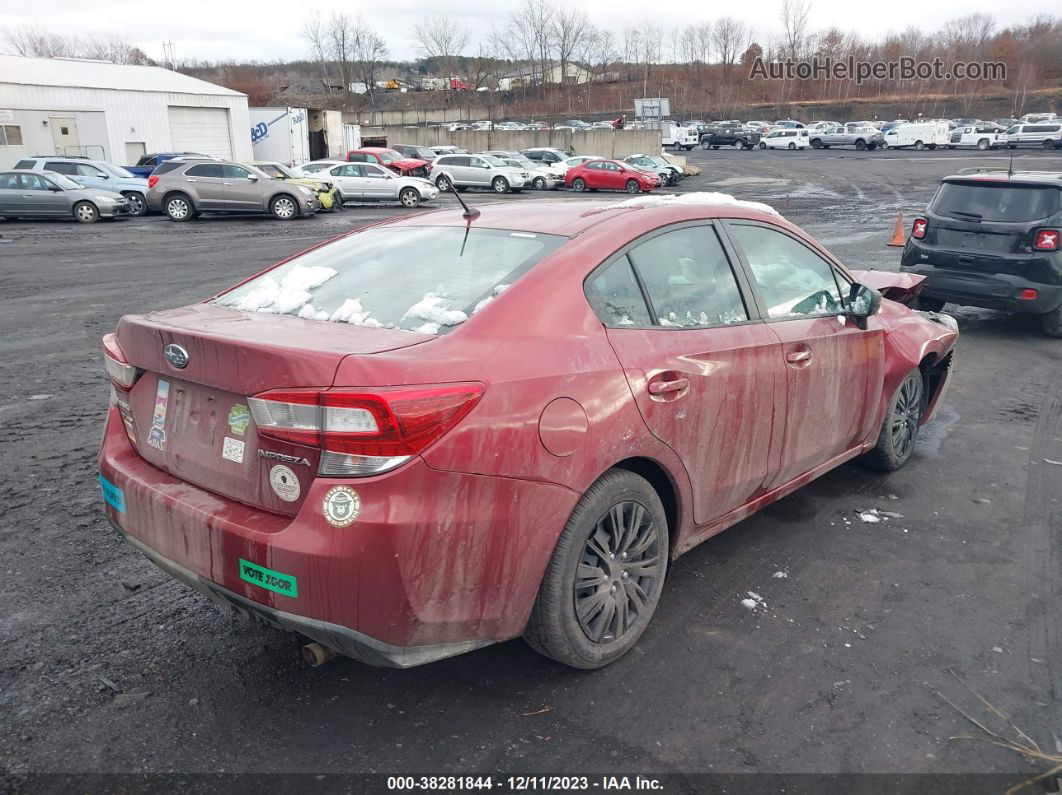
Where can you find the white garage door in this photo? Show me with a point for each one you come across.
(204, 131)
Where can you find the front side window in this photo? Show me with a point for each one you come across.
(89, 171)
(374, 172)
(616, 298)
(689, 279)
(793, 280)
(235, 172)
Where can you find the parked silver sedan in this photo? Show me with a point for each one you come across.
(368, 182)
(44, 194)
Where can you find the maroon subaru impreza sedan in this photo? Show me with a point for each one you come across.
(453, 429)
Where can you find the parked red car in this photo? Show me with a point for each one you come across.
(610, 175)
(445, 431)
(397, 162)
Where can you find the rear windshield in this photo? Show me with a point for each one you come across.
(426, 279)
(996, 202)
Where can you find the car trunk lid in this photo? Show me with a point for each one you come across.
(193, 421)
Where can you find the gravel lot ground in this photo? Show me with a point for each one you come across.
(106, 665)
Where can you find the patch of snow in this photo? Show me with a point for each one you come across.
(436, 309)
(780, 575)
(310, 313)
(749, 603)
(997, 649)
(756, 596)
(697, 197)
(428, 328)
(352, 312)
(501, 288)
(284, 296)
(870, 517)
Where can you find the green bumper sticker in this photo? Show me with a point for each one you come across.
(275, 581)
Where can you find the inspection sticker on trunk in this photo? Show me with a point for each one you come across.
(112, 495)
(232, 450)
(275, 581)
(157, 434)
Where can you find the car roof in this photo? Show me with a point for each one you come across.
(1048, 178)
(570, 218)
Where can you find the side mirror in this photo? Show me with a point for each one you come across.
(252, 177)
(101, 175)
(863, 302)
(55, 189)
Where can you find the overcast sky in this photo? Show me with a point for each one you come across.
(270, 29)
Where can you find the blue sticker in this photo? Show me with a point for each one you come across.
(112, 495)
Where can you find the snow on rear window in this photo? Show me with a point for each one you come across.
(426, 279)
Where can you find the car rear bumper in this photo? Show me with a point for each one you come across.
(435, 564)
(1001, 291)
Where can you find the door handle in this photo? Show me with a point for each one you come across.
(226, 183)
(799, 358)
(668, 387)
(191, 180)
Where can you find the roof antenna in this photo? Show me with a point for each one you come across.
(1010, 168)
(472, 213)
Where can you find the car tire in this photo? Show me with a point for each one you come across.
(763, 145)
(872, 147)
(739, 144)
(283, 207)
(932, 147)
(919, 145)
(137, 203)
(578, 185)
(86, 213)
(816, 143)
(1049, 144)
(577, 618)
(179, 207)
(688, 148)
(340, 199)
(538, 183)
(982, 144)
(500, 185)
(409, 197)
(444, 184)
(792, 146)
(899, 430)
(1051, 322)
(930, 304)
(632, 186)
(705, 145)
(883, 145)
(860, 145)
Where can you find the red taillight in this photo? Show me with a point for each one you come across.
(918, 228)
(1029, 295)
(152, 182)
(1047, 239)
(363, 431)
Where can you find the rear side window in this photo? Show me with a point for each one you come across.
(616, 298)
(689, 279)
(166, 167)
(206, 170)
(794, 281)
(426, 279)
(1006, 202)
(60, 167)
(29, 164)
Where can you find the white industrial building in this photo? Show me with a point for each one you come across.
(115, 112)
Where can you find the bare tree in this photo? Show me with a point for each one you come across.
(369, 49)
(795, 26)
(35, 42)
(315, 31)
(442, 39)
(568, 28)
(729, 39)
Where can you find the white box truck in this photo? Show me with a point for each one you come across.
(281, 135)
(919, 135)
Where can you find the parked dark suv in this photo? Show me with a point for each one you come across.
(713, 136)
(991, 239)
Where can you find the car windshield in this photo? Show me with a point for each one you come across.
(426, 279)
(387, 157)
(996, 202)
(277, 170)
(64, 182)
(116, 171)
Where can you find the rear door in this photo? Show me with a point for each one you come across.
(831, 365)
(594, 174)
(348, 179)
(706, 373)
(207, 182)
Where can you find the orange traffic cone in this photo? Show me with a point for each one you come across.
(899, 234)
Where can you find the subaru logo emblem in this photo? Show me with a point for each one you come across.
(176, 356)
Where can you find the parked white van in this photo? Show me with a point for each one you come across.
(921, 135)
(1046, 134)
(786, 139)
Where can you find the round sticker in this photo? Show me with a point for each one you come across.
(341, 506)
(284, 483)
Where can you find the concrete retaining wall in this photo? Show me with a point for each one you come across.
(607, 143)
